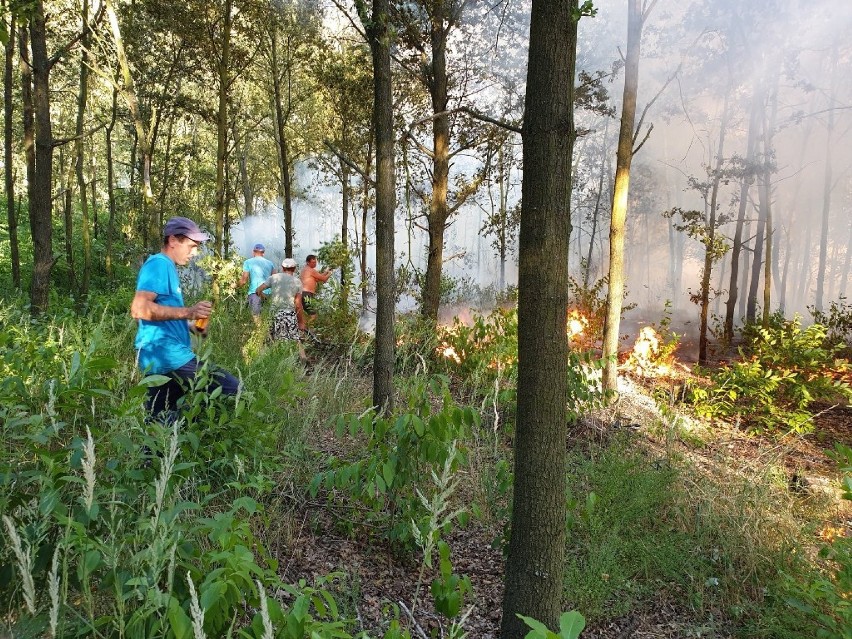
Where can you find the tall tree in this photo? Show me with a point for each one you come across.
(8, 174)
(376, 24)
(80, 156)
(535, 565)
(637, 12)
(40, 205)
(746, 179)
(222, 124)
(827, 186)
(436, 20)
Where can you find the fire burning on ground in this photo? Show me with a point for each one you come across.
(649, 357)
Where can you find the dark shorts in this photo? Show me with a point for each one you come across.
(255, 302)
(165, 397)
(308, 303)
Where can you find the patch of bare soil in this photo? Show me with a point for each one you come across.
(377, 579)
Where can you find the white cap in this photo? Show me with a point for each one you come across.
(288, 262)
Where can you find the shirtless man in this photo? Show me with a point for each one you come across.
(310, 276)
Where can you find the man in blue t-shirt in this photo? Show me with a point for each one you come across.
(255, 271)
(164, 322)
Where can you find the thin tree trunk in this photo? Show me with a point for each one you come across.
(41, 204)
(436, 81)
(766, 200)
(110, 187)
(143, 139)
(827, 186)
(597, 211)
(736, 249)
(536, 561)
(67, 191)
(222, 130)
(283, 151)
(345, 283)
(79, 148)
(711, 233)
(844, 274)
(8, 110)
(377, 26)
(624, 156)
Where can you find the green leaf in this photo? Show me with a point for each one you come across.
(419, 426)
(571, 624)
(210, 594)
(539, 630)
(388, 473)
(179, 621)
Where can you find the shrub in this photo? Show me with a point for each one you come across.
(784, 369)
(400, 453)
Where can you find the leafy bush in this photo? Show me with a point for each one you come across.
(784, 369)
(827, 599)
(400, 453)
(838, 321)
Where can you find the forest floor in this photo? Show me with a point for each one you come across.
(376, 579)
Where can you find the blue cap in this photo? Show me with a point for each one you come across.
(259, 247)
(186, 227)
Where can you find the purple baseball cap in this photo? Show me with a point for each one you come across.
(259, 247)
(186, 227)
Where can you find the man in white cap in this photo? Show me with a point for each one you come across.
(255, 271)
(162, 338)
(285, 293)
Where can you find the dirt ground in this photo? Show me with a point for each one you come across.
(377, 579)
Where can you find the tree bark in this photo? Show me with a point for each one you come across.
(41, 205)
(9, 177)
(535, 565)
(283, 152)
(737, 246)
(377, 27)
(143, 135)
(624, 156)
(435, 79)
(222, 129)
(827, 187)
(79, 152)
(110, 238)
(711, 233)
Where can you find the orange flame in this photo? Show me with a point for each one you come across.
(577, 323)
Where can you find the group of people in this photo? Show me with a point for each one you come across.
(165, 323)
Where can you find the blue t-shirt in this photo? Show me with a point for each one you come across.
(258, 268)
(163, 346)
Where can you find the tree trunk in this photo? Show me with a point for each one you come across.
(143, 137)
(110, 238)
(345, 283)
(711, 233)
(737, 246)
(827, 186)
(365, 211)
(844, 274)
(766, 199)
(41, 205)
(624, 156)
(79, 152)
(9, 177)
(242, 157)
(67, 191)
(436, 81)
(283, 153)
(587, 271)
(535, 565)
(222, 130)
(379, 35)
